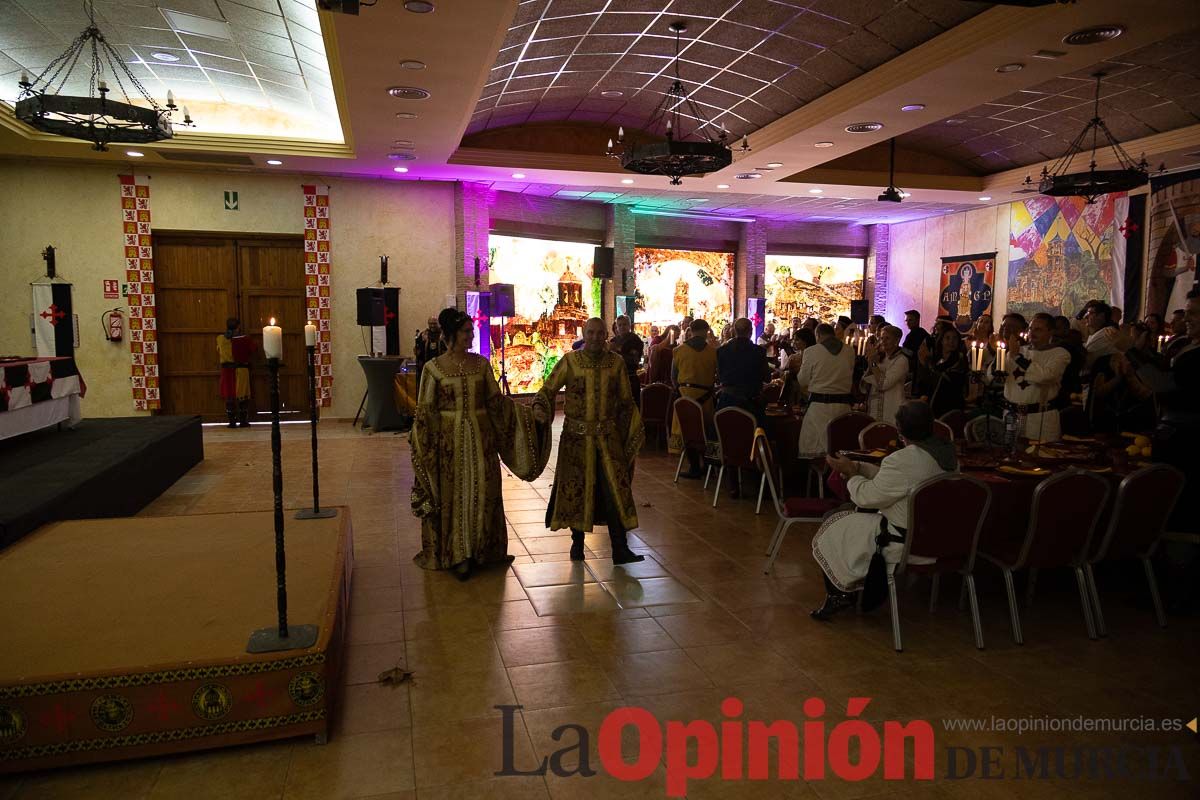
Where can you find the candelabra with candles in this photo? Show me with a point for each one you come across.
(1163, 339)
(310, 345)
(976, 353)
(283, 636)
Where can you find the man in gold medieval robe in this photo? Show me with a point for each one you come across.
(601, 437)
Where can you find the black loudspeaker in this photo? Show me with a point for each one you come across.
(858, 312)
(370, 307)
(602, 263)
(503, 302)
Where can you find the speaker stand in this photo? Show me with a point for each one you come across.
(503, 359)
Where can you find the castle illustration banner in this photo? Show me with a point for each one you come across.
(966, 288)
(554, 295)
(812, 286)
(1061, 254)
(672, 284)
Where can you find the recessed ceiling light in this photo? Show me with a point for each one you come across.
(913, 107)
(402, 156)
(986, 197)
(823, 144)
(518, 175)
(134, 153)
(418, 6)
(1094, 34)
(816, 191)
(1013, 67)
(612, 94)
(274, 162)
(748, 176)
(405, 115)
(408, 92)
(864, 127)
(412, 64)
(954, 121)
(627, 180)
(400, 169)
(168, 57)
(722, 185)
(403, 144)
(775, 164)
(1049, 55)
(697, 199)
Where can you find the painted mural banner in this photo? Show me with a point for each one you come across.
(811, 286)
(1062, 252)
(554, 296)
(1174, 241)
(966, 288)
(673, 284)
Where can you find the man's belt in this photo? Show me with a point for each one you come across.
(1032, 408)
(708, 391)
(581, 427)
(845, 399)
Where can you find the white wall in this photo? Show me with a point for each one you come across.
(77, 209)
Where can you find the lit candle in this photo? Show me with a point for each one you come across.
(24, 78)
(273, 340)
(1162, 342)
(310, 334)
(101, 85)
(1002, 356)
(170, 97)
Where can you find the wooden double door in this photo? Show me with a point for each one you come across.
(202, 279)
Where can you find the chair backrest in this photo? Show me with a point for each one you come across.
(1145, 500)
(735, 433)
(771, 393)
(945, 517)
(957, 421)
(766, 464)
(879, 435)
(691, 422)
(943, 431)
(842, 431)
(656, 402)
(984, 429)
(1066, 508)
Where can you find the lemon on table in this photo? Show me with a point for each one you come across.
(1141, 441)
(1133, 450)
(1146, 452)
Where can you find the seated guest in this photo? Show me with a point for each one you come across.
(693, 372)
(887, 370)
(790, 394)
(846, 540)
(741, 370)
(942, 377)
(658, 362)
(827, 375)
(1035, 373)
(629, 346)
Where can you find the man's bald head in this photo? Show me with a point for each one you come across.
(595, 335)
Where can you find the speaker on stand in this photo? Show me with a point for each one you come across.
(503, 305)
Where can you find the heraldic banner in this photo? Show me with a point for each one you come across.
(966, 288)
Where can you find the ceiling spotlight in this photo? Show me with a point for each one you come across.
(697, 199)
(168, 57)
(626, 181)
(775, 164)
(408, 92)
(864, 127)
(986, 197)
(518, 175)
(913, 107)
(748, 176)
(612, 94)
(412, 64)
(823, 144)
(274, 162)
(400, 169)
(403, 144)
(953, 121)
(418, 6)
(402, 156)
(405, 115)
(816, 191)
(1013, 67)
(1094, 34)
(134, 153)
(722, 185)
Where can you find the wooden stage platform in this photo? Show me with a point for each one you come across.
(125, 638)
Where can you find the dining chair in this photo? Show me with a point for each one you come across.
(957, 420)
(735, 435)
(943, 431)
(879, 436)
(656, 408)
(840, 434)
(691, 429)
(789, 509)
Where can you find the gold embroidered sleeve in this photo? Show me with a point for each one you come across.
(424, 444)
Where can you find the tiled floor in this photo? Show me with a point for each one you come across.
(695, 623)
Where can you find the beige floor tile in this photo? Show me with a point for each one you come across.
(250, 772)
(522, 613)
(526, 646)
(603, 569)
(364, 662)
(387, 626)
(561, 683)
(555, 573)
(654, 673)
(458, 695)
(543, 545)
(469, 750)
(369, 707)
(610, 635)
(508, 788)
(103, 781)
(742, 662)
(352, 766)
(445, 622)
(578, 598)
(474, 652)
(707, 627)
(641, 592)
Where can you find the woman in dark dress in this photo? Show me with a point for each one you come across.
(942, 375)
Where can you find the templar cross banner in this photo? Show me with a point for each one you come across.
(53, 323)
(966, 288)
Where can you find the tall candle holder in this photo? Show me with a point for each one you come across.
(316, 512)
(283, 636)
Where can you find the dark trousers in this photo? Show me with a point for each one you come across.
(606, 512)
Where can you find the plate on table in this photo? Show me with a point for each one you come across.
(864, 455)
(1079, 439)
(1032, 472)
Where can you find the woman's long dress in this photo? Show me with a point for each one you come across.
(463, 427)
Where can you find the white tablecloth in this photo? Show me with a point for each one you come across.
(41, 415)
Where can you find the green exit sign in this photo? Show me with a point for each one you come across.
(231, 201)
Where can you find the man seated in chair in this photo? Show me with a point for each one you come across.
(846, 539)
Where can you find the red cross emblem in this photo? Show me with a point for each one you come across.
(53, 314)
(261, 696)
(60, 719)
(163, 707)
(388, 316)
(1129, 228)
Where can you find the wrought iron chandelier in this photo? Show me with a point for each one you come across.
(675, 157)
(1056, 181)
(94, 118)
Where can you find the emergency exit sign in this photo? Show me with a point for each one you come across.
(231, 201)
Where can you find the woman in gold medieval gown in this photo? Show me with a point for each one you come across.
(464, 426)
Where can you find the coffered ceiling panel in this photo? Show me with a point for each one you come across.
(746, 63)
(1150, 90)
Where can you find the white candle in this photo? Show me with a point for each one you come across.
(1002, 355)
(101, 86)
(273, 340)
(170, 97)
(310, 334)
(1162, 342)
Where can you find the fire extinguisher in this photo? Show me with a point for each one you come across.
(113, 321)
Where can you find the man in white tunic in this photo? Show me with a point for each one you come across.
(886, 373)
(1035, 373)
(846, 540)
(827, 375)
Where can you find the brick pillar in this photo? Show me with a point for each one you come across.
(751, 266)
(619, 234)
(878, 258)
(472, 218)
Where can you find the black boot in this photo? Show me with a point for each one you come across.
(576, 545)
(833, 604)
(229, 412)
(463, 570)
(621, 554)
(695, 470)
(244, 413)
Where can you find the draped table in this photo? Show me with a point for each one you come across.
(36, 393)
